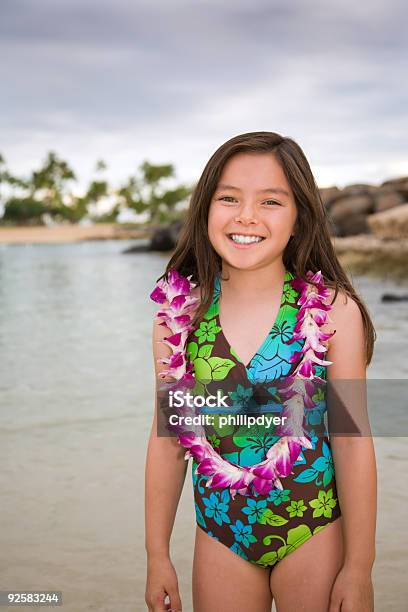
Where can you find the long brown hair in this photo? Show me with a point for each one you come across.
(310, 248)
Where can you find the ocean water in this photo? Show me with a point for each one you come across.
(76, 402)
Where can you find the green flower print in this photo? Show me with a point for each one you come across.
(207, 331)
(296, 508)
(214, 441)
(254, 509)
(290, 294)
(323, 504)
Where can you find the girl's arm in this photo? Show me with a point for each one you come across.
(164, 478)
(354, 460)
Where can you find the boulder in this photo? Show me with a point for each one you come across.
(163, 239)
(369, 255)
(390, 224)
(387, 197)
(328, 195)
(399, 184)
(348, 215)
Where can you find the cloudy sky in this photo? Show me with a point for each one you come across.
(171, 80)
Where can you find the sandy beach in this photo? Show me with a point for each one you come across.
(68, 233)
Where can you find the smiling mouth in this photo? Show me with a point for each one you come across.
(245, 238)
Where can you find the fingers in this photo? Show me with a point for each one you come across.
(175, 601)
(163, 602)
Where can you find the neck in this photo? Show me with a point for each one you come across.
(265, 279)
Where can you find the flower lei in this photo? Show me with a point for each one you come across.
(298, 388)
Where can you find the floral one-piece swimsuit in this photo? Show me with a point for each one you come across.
(262, 529)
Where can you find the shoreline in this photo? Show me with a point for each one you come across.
(365, 254)
(58, 234)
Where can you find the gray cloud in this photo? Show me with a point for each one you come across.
(171, 80)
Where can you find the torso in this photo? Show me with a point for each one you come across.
(286, 517)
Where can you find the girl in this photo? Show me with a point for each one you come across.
(289, 518)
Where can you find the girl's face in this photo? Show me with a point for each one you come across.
(252, 199)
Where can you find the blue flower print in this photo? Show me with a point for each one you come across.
(314, 416)
(217, 508)
(210, 533)
(241, 398)
(237, 549)
(254, 509)
(243, 533)
(199, 517)
(322, 465)
(277, 496)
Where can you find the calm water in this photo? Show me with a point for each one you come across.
(76, 390)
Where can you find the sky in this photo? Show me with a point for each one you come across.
(169, 81)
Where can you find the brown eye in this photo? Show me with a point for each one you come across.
(226, 197)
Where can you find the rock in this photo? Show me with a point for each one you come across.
(387, 197)
(328, 195)
(390, 224)
(351, 191)
(349, 215)
(399, 184)
(369, 255)
(393, 297)
(163, 239)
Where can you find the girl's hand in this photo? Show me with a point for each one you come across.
(352, 591)
(162, 581)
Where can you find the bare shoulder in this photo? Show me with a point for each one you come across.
(344, 311)
(346, 348)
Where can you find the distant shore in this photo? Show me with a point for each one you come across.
(70, 233)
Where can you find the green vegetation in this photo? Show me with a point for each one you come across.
(49, 193)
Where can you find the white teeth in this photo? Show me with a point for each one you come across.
(245, 239)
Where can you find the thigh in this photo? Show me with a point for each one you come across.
(222, 580)
(304, 578)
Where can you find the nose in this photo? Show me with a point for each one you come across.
(246, 214)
